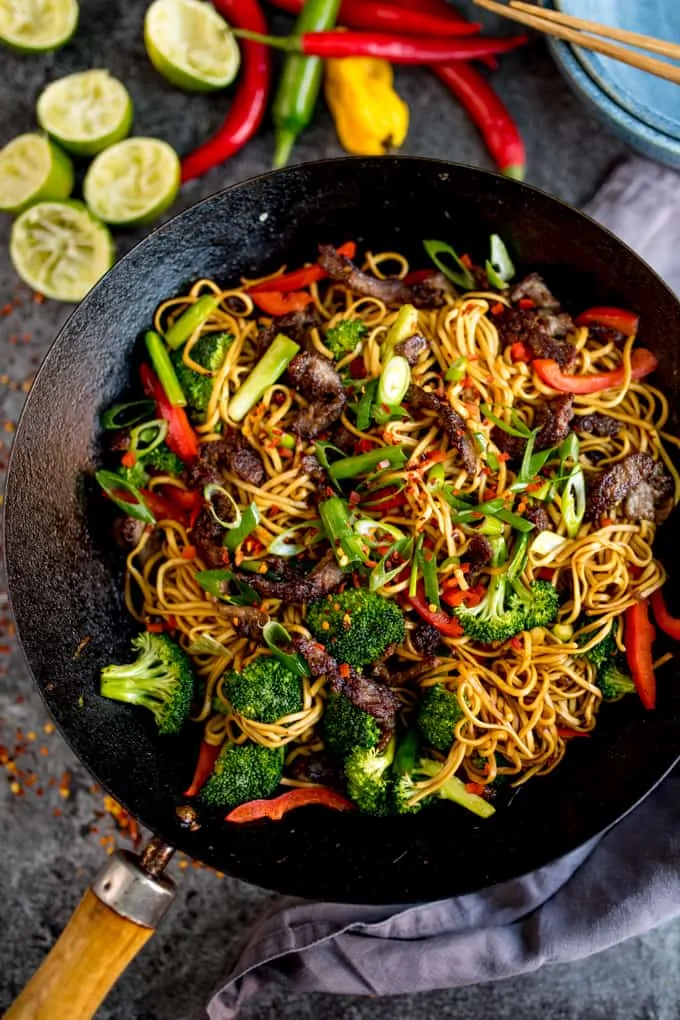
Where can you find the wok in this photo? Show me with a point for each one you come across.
(65, 578)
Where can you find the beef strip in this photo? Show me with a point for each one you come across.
(534, 287)
(530, 328)
(429, 294)
(207, 535)
(512, 445)
(316, 768)
(316, 379)
(639, 482)
(539, 517)
(232, 453)
(553, 417)
(411, 348)
(450, 421)
(295, 325)
(325, 577)
(247, 619)
(343, 439)
(368, 695)
(605, 334)
(425, 639)
(596, 424)
(479, 552)
(127, 532)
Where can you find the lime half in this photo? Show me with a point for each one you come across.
(190, 45)
(133, 182)
(32, 169)
(60, 249)
(86, 112)
(34, 26)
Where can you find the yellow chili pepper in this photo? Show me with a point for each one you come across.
(370, 117)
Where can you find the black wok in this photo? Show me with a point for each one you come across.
(66, 580)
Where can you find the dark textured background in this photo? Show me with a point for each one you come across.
(49, 848)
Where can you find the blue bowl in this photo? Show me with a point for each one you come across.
(644, 138)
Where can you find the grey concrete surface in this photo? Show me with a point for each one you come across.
(49, 850)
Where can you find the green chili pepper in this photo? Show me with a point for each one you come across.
(164, 369)
(300, 80)
(190, 320)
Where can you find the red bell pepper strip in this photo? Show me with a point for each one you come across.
(639, 635)
(162, 508)
(567, 733)
(668, 624)
(642, 362)
(299, 797)
(273, 303)
(300, 278)
(444, 623)
(384, 499)
(181, 438)
(207, 756)
(486, 110)
(184, 498)
(248, 106)
(616, 318)
(374, 15)
(395, 48)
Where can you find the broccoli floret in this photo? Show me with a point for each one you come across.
(136, 475)
(453, 789)
(601, 652)
(344, 337)
(539, 602)
(243, 772)
(439, 712)
(161, 679)
(209, 352)
(613, 681)
(264, 690)
(368, 779)
(493, 619)
(357, 626)
(164, 461)
(346, 727)
(403, 784)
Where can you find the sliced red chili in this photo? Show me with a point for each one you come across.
(181, 438)
(567, 733)
(302, 796)
(385, 499)
(444, 623)
(615, 318)
(274, 303)
(298, 279)
(642, 363)
(207, 756)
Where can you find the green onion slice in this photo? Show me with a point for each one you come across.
(285, 543)
(394, 381)
(500, 259)
(112, 484)
(369, 529)
(461, 276)
(380, 576)
(365, 405)
(123, 416)
(237, 533)
(520, 430)
(206, 644)
(275, 635)
(145, 438)
(209, 494)
(456, 370)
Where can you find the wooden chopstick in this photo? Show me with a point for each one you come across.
(656, 67)
(644, 42)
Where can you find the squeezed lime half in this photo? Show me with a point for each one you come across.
(86, 112)
(132, 182)
(35, 26)
(191, 45)
(32, 168)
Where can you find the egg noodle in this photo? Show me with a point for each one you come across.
(521, 701)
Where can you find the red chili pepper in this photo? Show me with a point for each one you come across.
(395, 48)
(207, 756)
(375, 15)
(668, 624)
(567, 733)
(274, 303)
(642, 363)
(385, 499)
(489, 113)
(458, 597)
(184, 498)
(155, 628)
(639, 635)
(616, 318)
(181, 438)
(248, 106)
(163, 508)
(520, 351)
(300, 797)
(444, 623)
(298, 279)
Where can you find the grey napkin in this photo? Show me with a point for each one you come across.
(619, 885)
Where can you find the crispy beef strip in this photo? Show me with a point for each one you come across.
(207, 536)
(479, 552)
(248, 619)
(596, 424)
(450, 421)
(324, 578)
(431, 293)
(534, 287)
(553, 417)
(317, 768)
(316, 379)
(369, 695)
(411, 348)
(425, 638)
(539, 517)
(295, 325)
(530, 328)
(605, 334)
(639, 482)
(231, 453)
(127, 532)
(512, 445)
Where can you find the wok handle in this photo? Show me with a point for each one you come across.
(115, 918)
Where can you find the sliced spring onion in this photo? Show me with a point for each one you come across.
(518, 559)
(250, 518)
(265, 373)
(515, 521)
(365, 405)
(215, 582)
(394, 381)
(209, 493)
(428, 567)
(492, 276)
(112, 484)
(206, 644)
(520, 430)
(457, 370)
(483, 447)
(525, 467)
(351, 467)
(275, 635)
(461, 276)
(123, 416)
(145, 438)
(164, 369)
(539, 460)
(382, 413)
(436, 475)
(415, 567)
(404, 326)
(336, 520)
(574, 501)
(367, 528)
(287, 441)
(500, 261)
(546, 542)
(189, 321)
(489, 526)
(285, 545)
(380, 576)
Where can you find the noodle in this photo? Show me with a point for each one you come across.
(516, 701)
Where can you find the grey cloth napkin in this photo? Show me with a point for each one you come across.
(616, 886)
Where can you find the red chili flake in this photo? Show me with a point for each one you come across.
(526, 302)
(189, 552)
(39, 298)
(6, 309)
(56, 813)
(14, 340)
(44, 751)
(354, 498)
(516, 644)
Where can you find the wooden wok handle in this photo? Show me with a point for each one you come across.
(114, 919)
